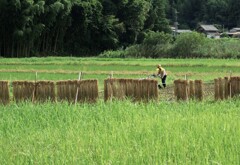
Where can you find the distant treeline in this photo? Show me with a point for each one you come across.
(185, 45)
(88, 27)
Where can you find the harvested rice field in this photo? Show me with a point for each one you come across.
(117, 131)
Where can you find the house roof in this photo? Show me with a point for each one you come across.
(237, 29)
(209, 27)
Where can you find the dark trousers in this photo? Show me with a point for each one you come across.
(163, 82)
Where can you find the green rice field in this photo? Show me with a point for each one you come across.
(119, 132)
(66, 68)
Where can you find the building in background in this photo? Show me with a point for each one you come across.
(209, 30)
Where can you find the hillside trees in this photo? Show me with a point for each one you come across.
(93, 28)
(87, 27)
(18, 28)
(42, 27)
(190, 12)
(56, 20)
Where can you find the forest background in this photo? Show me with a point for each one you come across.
(115, 28)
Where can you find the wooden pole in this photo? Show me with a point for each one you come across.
(79, 78)
(111, 74)
(35, 87)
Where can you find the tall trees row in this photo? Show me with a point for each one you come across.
(78, 27)
(87, 27)
(225, 13)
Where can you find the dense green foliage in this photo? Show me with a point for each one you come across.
(186, 45)
(87, 27)
(121, 132)
(78, 27)
(224, 13)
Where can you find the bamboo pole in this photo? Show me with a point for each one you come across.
(79, 78)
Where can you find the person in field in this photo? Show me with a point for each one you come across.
(161, 72)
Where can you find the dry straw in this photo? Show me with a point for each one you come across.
(184, 90)
(221, 93)
(191, 90)
(137, 90)
(235, 86)
(199, 90)
(226, 88)
(4, 93)
(181, 89)
(45, 91)
(23, 90)
(115, 88)
(84, 90)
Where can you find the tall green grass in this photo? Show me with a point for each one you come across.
(121, 132)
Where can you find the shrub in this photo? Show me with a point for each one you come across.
(113, 54)
(187, 44)
(220, 48)
(155, 45)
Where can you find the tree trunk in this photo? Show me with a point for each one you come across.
(56, 40)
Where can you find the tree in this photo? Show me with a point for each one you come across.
(156, 19)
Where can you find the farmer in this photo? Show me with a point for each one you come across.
(161, 72)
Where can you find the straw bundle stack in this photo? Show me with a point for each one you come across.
(199, 90)
(87, 91)
(153, 90)
(130, 83)
(61, 90)
(235, 86)
(130, 88)
(226, 88)
(45, 90)
(181, 89)
(221, 93)
(191, 89)
(4, 93)
(23, 90)
(77, 90)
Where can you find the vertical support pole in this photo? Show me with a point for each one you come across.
(111, 75)
(35, 88)
(79, 78)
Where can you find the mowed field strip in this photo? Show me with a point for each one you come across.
(64, 68)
